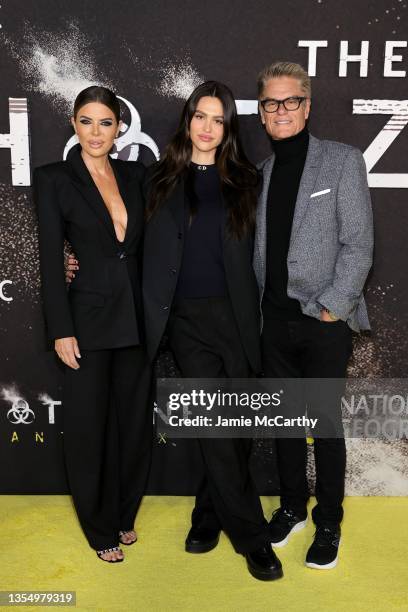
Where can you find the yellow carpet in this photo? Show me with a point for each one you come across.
(42, 548)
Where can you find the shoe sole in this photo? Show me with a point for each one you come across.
(201, 548)
(295, 529)
(262, 575)
(327, 566)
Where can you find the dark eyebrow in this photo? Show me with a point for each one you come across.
(197, 110)
(90, 118)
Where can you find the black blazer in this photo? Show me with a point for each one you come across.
(162, 254)
(103, 306)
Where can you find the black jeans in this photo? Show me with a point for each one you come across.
(205, 340)
(107, 420)
(309, 348)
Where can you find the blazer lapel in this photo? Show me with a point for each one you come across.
(86, 186)
(130, 191)
(260, 234)
(176, 204)
(307, 183)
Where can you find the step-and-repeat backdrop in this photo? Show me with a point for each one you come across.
(153, 53)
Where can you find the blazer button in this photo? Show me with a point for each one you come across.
(165, 307)
(173, 270)
(180, 235)
(121, 254)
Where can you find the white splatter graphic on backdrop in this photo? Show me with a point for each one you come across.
(57, 65)
(45, 399)
(377, 467)
(60, 65)
(11, 394)
(374, 467)
(178, 80)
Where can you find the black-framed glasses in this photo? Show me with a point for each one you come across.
(270, 105)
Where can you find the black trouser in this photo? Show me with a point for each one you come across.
(205, 341)
(309, 348)
(108, 439)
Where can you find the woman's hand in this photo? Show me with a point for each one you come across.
(71, 264)
(67, 350)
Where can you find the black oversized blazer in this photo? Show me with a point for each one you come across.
(103, 306)
(162, 255)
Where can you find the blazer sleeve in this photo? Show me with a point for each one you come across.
(356, 237)
(51, 242)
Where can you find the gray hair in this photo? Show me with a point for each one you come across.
(282, 69)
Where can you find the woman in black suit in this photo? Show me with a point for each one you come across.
(96, 203)
(198, 283)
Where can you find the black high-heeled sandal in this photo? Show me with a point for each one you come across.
(107, 550)
(121, 533)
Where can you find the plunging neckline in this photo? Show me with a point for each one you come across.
(117, 180)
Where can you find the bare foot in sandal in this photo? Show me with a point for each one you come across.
(111, 555)
(127, 537)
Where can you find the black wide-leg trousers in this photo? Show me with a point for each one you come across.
(107, 437)
(309, 348)
(205, 341)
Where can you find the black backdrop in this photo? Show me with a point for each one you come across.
(152, 53)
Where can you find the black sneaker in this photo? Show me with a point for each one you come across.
(323, 553)
(284, 522)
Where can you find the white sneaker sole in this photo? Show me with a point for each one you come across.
(322, 567)
(327, 566)
(295, 529)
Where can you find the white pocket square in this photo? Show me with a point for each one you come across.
(314, 195)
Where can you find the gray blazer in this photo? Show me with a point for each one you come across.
(331, 243)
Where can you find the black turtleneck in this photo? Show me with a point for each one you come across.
(290, 156)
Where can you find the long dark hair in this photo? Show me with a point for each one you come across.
(238, 176)
(96, 93)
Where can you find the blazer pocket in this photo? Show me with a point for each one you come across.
(87, 298)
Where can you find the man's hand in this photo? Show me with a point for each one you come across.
(71, 264)
(67, 350)
(324, 316)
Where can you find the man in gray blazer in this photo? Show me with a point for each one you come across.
(313, 251)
